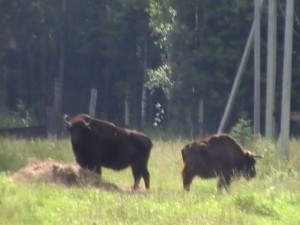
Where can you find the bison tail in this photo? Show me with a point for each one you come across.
(183, 155)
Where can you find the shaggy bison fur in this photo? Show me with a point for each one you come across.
(217, 156)
(98, 143)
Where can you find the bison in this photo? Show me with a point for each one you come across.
(217, 156)
(97, 143)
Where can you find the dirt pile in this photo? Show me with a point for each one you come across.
(51, 171)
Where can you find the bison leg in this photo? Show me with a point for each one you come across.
(96, 169)
(187, 177)
(137, 177)
(139, 171)
(99, 170)
(146, 177)
(224, 181)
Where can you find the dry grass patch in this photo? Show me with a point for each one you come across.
(65, 174)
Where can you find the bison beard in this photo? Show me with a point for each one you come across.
(97, 143)
(218, 156)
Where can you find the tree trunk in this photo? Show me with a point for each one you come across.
(201, 117)
(62, 57)
(144, 91)
(143, 107)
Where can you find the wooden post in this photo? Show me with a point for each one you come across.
(126, 110)
(190, 122)
(51, 121)
(93, 102)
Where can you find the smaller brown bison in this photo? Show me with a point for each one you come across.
(218, 156)
(97, 143)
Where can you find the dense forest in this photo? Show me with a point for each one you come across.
(160, 58)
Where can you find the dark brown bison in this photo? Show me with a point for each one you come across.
(97, 143)
(218, 156)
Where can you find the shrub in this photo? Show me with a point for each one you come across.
(242, 131)
(21, 117)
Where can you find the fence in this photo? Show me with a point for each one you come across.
(25, 132)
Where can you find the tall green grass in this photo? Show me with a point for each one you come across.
(271, 198)
(15, 153)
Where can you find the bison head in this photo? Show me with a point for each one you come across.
(78, 127)
(249, 165)
(82, 120)
(183, 152)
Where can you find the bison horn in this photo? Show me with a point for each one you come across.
(88, 123)
(66, 120)
(258, 156)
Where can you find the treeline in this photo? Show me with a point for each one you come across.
(162, 59)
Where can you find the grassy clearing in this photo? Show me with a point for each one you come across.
(271, 198)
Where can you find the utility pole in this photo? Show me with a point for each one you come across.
(237, 81)
(238, 77)
(271, 69)
(257, 66)
(287, 75)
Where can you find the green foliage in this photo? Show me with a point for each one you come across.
(160, 78)
(21, 117)
(200, 49)
(243, 131)
(162, 21)
(106, 45)
(110, 45)
(249, 203)
(15, 153)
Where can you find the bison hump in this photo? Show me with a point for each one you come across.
(224, 141)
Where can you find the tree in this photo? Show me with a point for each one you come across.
(202, 48)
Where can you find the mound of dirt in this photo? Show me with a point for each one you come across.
(68, 175)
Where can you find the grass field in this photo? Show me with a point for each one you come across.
(271, 198)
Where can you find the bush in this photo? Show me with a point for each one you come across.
(243, 132)
(21, 117)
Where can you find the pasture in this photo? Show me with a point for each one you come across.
(273, 197)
